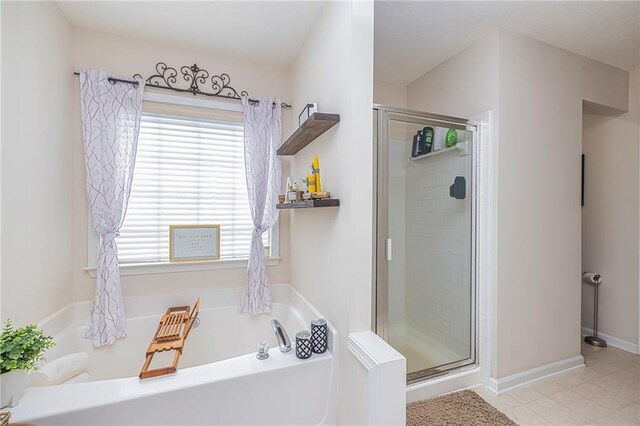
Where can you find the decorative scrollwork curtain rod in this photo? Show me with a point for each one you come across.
(166, 77)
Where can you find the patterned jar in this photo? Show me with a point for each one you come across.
(303, 344)
(319, 336)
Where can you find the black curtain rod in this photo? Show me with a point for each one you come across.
(113, 80)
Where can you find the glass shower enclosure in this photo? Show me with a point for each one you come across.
(425, 302)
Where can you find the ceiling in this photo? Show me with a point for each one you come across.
(429, 32)
(262, 32)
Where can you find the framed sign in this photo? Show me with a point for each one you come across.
(188, 243)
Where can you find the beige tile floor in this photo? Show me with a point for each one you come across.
(605, 392)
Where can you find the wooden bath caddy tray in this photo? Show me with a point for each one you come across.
(171, 334)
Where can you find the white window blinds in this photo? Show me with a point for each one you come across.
(189, 170)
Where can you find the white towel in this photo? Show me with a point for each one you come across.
(80, 378)
(60, 370)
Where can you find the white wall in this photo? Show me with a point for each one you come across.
(125, 57)
(464, 85)
(538, 318)
(604, 88)
(542, 89)
(332, 247)
(389, 94)
(610, 218)
(36, 161)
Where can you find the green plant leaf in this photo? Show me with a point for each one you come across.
(22, 348)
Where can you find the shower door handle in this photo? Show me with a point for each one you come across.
(387, 249)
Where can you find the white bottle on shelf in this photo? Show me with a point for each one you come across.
(439, 136)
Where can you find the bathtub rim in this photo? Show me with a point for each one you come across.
(49, 401)
(75, 314)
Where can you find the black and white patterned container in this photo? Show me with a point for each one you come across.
(319, 335)
(303, 344)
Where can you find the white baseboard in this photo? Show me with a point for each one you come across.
(517, 380)
(613, 341)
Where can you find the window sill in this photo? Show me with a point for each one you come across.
(169, 267)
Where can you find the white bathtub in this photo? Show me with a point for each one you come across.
(219, 382)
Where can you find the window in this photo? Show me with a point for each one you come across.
(189, 170)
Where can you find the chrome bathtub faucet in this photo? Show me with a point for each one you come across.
(281, 334)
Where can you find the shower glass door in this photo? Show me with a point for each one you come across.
(425, 291)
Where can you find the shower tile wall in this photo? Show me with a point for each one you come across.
(397, 181)
(438, 251)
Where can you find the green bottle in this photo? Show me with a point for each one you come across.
(451, 138)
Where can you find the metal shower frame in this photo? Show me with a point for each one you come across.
(380, 305)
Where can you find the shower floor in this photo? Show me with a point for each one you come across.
(421, 351)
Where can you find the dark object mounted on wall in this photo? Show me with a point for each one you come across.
(197, 81)
(582, 184)
(459, 188)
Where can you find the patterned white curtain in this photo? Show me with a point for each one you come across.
(110, 123)
(262, 136)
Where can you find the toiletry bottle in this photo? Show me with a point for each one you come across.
(439, 137)
(418, 144)
(288, 190)
(293, 194)
(451, 138)
(427, 139)
(316, 172)
(311, 183)
(415, 148)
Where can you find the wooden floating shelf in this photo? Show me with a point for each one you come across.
(309, 204)
(316, 125)
(461, 147)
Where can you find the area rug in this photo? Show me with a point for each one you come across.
(460, 408)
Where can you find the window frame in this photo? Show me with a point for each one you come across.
(170, 267)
